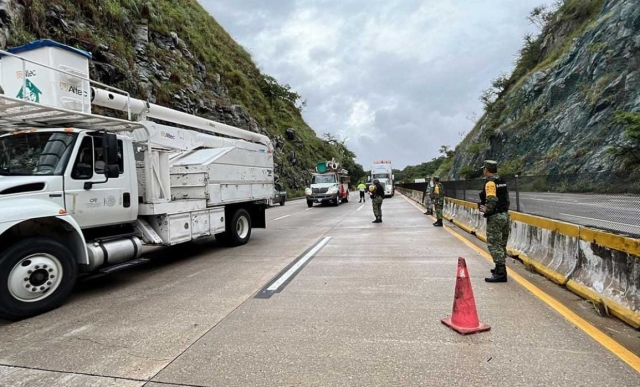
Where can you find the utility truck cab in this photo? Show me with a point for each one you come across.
(329, 184)
(84, 193)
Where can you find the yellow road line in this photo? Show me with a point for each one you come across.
(613, 346)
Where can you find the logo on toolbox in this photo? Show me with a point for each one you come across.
(167, 135)
(33, 93)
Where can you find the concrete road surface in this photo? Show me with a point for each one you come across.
(323, 297)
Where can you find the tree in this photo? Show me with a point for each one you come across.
(540, 16)
(274, 91)
(346, 158)
(629, 149)
(446, 151)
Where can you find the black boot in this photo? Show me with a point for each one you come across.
(438, 223)
(380, 219)
(377, 220)
(499, 274)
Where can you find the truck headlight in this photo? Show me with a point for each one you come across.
(307, 191)
(332, 190)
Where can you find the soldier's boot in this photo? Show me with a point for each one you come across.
(377, 220)
(499, 274)
(380, 218)
(438, 223)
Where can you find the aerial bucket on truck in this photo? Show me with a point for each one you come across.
(48, 73)
(321, 167)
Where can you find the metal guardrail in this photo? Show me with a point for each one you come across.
(604, 201)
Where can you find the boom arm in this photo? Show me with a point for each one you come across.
(107, 99)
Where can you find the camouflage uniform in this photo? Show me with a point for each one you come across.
(426, 197)
(495, 198)
(377, 197)
(437, 197)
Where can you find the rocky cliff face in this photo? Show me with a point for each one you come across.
(559, 116)
(174, 54)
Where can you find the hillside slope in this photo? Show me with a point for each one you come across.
(172, 52)
(556, 113)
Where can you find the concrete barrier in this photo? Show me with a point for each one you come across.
(596, 265)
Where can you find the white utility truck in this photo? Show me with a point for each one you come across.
(382, 171)
(329, 184)
(83, 193)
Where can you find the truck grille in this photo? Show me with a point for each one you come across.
(320, 190)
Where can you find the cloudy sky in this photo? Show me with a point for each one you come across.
(397, 79)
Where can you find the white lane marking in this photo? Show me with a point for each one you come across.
(600, 220)
(309, 209)
(359, 208)
(295, 267)
(282, 217)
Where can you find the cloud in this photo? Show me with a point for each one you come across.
(396, 79)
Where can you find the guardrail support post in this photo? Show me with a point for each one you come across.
(517, 196)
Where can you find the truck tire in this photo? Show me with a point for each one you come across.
(238, 229)
(309, 203)
(36, 275)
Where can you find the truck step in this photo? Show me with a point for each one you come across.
(149, 234)
(124, 265)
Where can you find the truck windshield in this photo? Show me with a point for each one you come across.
(380, 176)
(29, 154)
(322, 179)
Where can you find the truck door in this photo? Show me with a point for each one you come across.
(99, 203)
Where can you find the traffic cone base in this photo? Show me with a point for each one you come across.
(464, 316)
(465, 331)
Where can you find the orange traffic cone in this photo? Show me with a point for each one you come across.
(464, 318)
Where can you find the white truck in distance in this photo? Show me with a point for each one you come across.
(382, 171)
(83, 193)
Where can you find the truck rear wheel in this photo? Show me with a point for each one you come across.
(36, 275)
(238, 229)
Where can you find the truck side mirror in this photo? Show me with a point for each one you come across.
(110, 152)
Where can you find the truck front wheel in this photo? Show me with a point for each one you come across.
(36, 275)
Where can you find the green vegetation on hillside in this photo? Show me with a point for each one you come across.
(207, 65)
(505, 107)
(628, 150)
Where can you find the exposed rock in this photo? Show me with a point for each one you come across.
(568, 108)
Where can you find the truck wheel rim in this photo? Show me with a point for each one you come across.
(242, 227)
(35, 277)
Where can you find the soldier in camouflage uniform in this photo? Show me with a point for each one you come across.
(426, 196)
(377, 197)
(437, 197)
(494, 204)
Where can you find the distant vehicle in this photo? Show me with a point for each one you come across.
(329, 184)
(384, 173)
(279, 196)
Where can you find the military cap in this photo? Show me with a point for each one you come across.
(436, 178)
(491, 166)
